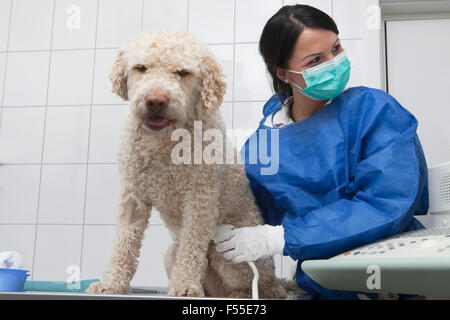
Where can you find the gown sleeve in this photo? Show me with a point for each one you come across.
(386, 169)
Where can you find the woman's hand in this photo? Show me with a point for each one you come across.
(251, 243)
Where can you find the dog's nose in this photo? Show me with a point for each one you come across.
(156, 102)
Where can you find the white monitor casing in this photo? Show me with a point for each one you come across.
(439, 195)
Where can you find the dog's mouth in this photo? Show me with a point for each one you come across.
(157, 122)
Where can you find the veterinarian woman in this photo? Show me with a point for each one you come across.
(351, 167)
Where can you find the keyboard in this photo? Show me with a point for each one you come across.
(419, 243)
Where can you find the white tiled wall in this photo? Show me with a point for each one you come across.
(59, 121)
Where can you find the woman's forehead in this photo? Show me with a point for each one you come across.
(311, 41)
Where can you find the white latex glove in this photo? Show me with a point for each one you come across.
(251, 243)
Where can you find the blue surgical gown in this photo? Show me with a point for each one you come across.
(351, 174)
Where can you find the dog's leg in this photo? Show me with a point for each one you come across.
(133, 220)
(191, 260)
(169, 258)
(200, 214)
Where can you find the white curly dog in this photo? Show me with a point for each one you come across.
(171, 80)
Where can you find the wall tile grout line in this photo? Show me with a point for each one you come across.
(71, 105)
(117, 48)
(332, 3)
(142, 15)
(70, 224)
(59, 50)
(43, 141)
(187, 19)
(6, 64)
(89, 140)
(57, 163)
(233, 103)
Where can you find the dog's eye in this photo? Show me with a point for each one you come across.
(182, 72)
(140, 68)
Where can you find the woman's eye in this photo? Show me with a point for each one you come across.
(315, 60)
(141, 68)
(182, 72)
(318, 58)
(337, 47)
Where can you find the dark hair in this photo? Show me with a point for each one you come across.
(280, 34)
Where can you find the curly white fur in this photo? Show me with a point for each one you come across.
(193, 199)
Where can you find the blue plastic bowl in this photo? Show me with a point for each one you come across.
(12, 280)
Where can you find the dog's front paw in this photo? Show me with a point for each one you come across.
(185, 289)
(104, 288)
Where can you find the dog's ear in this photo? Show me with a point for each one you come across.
(118, 77)
(213, 84)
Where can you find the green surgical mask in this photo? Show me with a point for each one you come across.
(326, 80)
